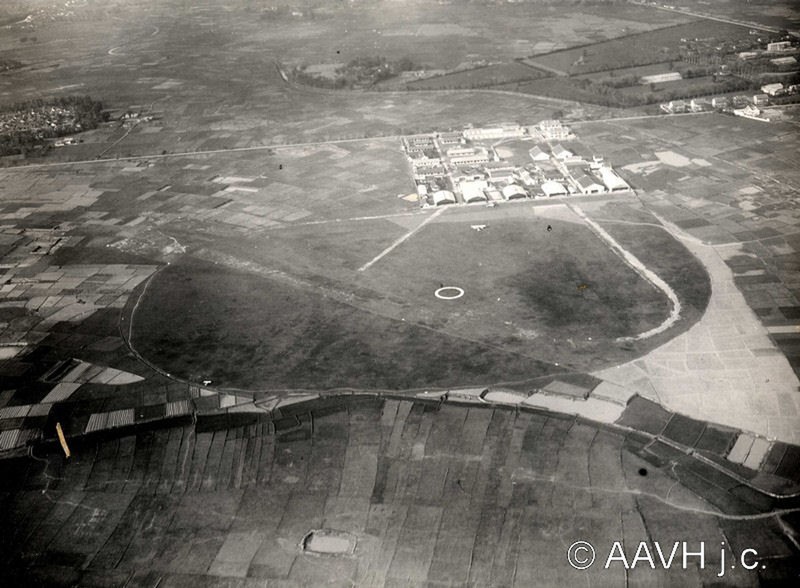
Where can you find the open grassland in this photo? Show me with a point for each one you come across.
(243, 330)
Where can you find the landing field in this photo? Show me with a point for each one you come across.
(317, 306)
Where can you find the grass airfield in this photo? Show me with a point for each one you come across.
(536, 302)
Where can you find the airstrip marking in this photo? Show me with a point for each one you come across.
(399, 241)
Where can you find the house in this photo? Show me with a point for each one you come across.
(744, 55)
(588, 185)
(772, 89)
(612, 181)
(443, 197)
(674, 106)
(514, 192)
(537, 154)
(760, 99)
(749, 111)
(559, 152)
(699, 104)
(784, 61)
(552, 188)
(720, 102)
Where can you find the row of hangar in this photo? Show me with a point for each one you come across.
(482, 192)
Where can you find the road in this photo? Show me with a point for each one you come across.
(752, 25)
(289, 145)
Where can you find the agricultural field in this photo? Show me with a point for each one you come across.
(638, 49)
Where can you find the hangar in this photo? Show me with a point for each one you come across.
(552, 188)
(442, 197)
(588, 185)
(514, 192)
(612, 181)
(474, 191)
(537, 154)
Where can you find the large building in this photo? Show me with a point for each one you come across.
(760, 99)
(779, 46)
(670, 76)
(422, 173)
(552, 188)
(612, 181)
(513, 192)
(473, 191)
(450, 138)
(505, 132)
(442, 197)
(538, 154)
(588, 185)
(772, 89)
(552, 130)
(561, 152)
(499, 172)
(476, 156)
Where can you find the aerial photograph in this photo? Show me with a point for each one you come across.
(399, 293)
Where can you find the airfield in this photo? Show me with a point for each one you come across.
(231, 311)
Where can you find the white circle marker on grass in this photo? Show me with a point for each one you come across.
(449, 293)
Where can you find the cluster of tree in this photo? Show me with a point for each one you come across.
(27, 125)
(785, 79)
(460, 80)
(605, 95)
(9, 64)
(359, 73)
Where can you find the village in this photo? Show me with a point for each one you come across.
(505, 163)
